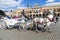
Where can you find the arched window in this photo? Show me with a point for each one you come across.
(39, 15)
(33, 15)
(30, 11)
(58, 10)
(36, 15)
(36, 11)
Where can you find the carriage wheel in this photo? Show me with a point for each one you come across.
(47, 29)
(19, 28)
(44, 28)
(4, 25)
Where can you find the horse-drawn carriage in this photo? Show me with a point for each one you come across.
(22, 23)
(7, 22)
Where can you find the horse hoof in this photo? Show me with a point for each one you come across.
(36, 31)
(43, 30)
(49, 31)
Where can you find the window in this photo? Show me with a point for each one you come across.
(30, 11)
(36, 11)
(36, 15)
(58, 9)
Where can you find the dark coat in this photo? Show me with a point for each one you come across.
(2, 13)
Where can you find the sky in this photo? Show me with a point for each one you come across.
(16, 4)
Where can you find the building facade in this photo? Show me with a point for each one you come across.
(36, 11)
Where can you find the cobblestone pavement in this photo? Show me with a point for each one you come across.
(14, 34)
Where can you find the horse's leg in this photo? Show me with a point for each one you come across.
(44, 29)
(56, 20)
(48, 30)
(36, 28)
(47, 27)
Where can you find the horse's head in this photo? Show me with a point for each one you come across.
(50, 18)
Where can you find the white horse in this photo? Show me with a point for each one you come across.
(38, 21)
(49, 20)
(46, 22)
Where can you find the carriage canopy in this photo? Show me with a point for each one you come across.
(2, 13)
